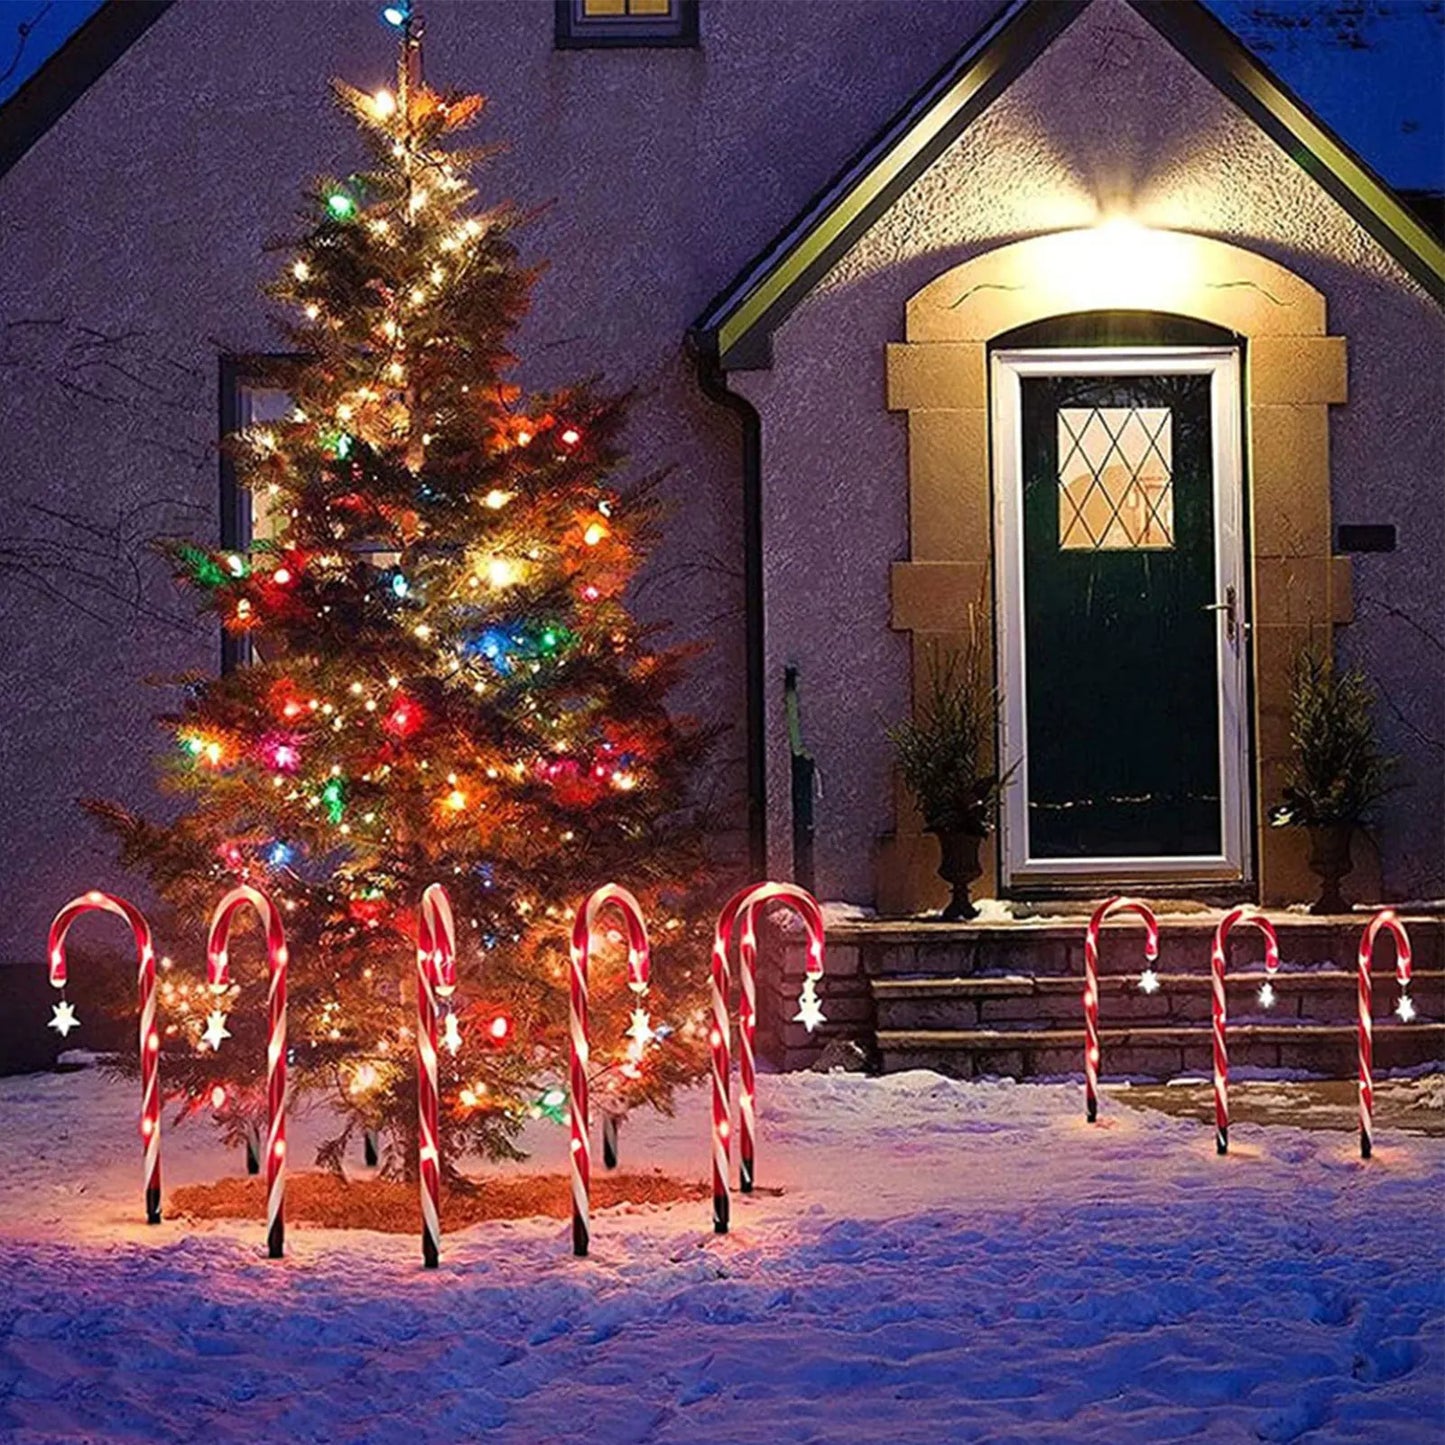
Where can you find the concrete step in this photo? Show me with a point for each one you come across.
(1019, 1002)
(1156, 1051)
(1054, 947)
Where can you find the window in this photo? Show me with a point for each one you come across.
(251, 396)
(255, 391)
(586, 23)
(1116, 478)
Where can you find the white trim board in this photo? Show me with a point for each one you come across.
(1018, 865)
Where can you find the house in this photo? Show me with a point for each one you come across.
(1064, 327)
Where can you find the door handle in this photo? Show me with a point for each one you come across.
(1231, 613)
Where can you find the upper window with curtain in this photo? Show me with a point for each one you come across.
(615, 23)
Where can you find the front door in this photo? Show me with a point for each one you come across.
(1121, 616)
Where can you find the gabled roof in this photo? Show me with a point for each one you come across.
(71, 71)
(737, 328)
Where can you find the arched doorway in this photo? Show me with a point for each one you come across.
(1195, 365)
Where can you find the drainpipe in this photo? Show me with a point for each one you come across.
(713, 381)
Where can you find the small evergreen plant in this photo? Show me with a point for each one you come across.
(1336, 770)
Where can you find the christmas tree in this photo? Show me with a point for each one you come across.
(446, 686)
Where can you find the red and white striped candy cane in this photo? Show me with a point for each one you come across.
(807, 908)
(436, 976)
(720, 1038)
(1091, 987)
(219, 976)
(1384, 919)
(638, 966)
(150, 1043)
(1257, 920)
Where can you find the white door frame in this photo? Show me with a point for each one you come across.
(1221, 364)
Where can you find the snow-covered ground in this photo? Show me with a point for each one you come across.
(944, 1262)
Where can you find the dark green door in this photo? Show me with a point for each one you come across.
(1121, 649)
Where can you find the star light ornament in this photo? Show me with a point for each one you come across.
(641, 1033)
(1405, 1008)
(64, 1019)
(216, 1029)
(1266, 995)
(451, 1034)
(810, 1010)
(1148, 981)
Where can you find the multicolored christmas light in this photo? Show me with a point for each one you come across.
(446, 681)
(149, 1043)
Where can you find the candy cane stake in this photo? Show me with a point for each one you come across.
(806, 906)
(638, 966)
(1387, 920)
(436, 976)
(150, 1043)
(1091, 987)
(218, 974)
(720, 1038)
(1221, 1055)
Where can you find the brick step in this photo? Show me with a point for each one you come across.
(1321, 996)
(1055, 948)
(1159, 1052)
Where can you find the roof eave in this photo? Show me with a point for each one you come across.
(71, 71)
(1213, 50)
(738, 325)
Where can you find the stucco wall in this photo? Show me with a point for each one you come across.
(1109, 120)
(143, 213)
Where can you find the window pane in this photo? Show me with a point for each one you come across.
(257, 406)
(597, 9)
(649, 7)
(1116, 478)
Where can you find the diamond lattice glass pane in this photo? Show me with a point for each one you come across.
(1116, 478)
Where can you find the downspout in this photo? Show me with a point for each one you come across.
(713, 380)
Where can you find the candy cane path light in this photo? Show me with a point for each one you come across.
(720, 1038)
(1257, 920)
(745, 905)
(609, 895)
(436, 975)
(150, 1044)
(219, 977)
(1091, 987)
(1385, 920)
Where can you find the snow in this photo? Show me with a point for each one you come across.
(943, 1262)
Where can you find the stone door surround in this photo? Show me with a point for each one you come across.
(1293, 373)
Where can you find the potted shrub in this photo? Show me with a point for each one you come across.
(942, 754)
(1336, 771)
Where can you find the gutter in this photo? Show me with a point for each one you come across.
(713, 381)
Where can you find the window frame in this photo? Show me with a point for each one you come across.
(251, 371)
(577, 31)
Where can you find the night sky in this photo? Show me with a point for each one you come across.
(1373, 70)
